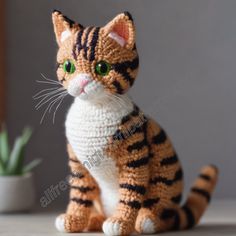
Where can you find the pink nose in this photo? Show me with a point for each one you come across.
(83, 83)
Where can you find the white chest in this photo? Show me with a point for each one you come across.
(88, 129)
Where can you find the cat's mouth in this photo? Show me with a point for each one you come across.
(78, 85)
(83, 84)
(84, 87)
(82, 90)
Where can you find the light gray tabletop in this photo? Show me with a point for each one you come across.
(220, 219)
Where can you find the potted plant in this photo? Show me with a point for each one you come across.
(17, 192)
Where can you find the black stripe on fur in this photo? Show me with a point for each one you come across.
(136, 188)
(127, 118)
(83, 189)
(129, 15)
(169, 160)
(176, 199)
(201, 192)
(76, 175)
(118, 87)
(122, 68)
(159, 138)
(138, 163)
(93, 43)
(178, 176)
(205, 177)
(148, 203)
(86, 203)
(137, 145)
(189, 216)
(133, 204)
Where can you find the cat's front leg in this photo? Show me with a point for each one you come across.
(83, 191)
(133, 180)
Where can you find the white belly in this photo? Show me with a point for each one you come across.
(88, 129)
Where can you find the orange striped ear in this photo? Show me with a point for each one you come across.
(63, 26)
(122, 30)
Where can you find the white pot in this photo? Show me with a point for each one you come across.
(17, 193)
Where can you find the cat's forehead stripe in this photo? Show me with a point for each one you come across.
(93, 43)
(78, 44)
(82, 42)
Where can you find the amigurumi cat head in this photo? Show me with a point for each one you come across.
(95, 62)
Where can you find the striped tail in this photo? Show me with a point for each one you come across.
(189, 214)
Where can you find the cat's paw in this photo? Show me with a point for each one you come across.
(115, 226)
(60, 224)
(146, 222)
(147, 226)
(70, 224)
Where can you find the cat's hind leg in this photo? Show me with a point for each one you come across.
(150, 218)
(170, 215)
(165, 183)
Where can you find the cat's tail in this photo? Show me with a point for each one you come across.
(198, 199)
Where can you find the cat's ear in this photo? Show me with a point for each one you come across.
(122, 30)
(63, 26)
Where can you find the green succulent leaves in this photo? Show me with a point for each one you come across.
(12, 161)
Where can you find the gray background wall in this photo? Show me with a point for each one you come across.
(186, 80)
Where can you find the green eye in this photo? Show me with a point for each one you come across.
(102, 68)
(69, 67)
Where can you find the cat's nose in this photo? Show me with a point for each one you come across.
(76, 85)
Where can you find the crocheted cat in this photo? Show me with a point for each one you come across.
(125, 174)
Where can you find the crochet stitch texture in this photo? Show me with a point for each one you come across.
(125, 173)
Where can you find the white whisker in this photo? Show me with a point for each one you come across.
(49, 107)
(50, 97)
(47, 82)
(55, 112)
(50, 93)
(50, 80)
(62, 95)
(41, 103)
(47, 98)
(44, 90)
(114, 98)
